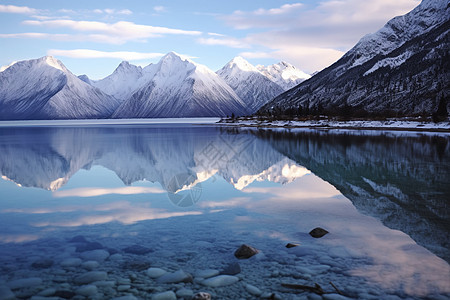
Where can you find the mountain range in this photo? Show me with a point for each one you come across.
(174, 87)
(402, 69)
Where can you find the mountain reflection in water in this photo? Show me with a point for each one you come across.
(188, 186)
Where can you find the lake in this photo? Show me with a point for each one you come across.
(128, 211)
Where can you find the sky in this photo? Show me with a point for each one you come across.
(93, 37)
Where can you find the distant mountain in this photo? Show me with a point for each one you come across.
(178, 87)
(44, 89)
(401, 69)
(284, 74)
(85, 78)
(254, 88)
(122, 82)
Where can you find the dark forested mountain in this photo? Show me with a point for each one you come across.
(403, 69)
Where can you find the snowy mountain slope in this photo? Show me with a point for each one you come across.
(122, 82)
(44, 89)
(284, 74)
(178, 87)
(402, 69)
(254, 88)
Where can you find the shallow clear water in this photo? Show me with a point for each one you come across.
(190, 195)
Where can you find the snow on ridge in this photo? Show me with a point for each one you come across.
(391, 62)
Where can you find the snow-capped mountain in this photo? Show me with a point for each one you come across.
(254, 88)
(44, 89)
(122, 82)
(284, 74)
(178, 87)
(401, 69)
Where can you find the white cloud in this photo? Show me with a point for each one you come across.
(159, 9)
(215, 34)
(17, 9)
(87, 53)
(114, 33)
(229, 42)
(320, 33)
(257, 55)
(38, 35)
(111, 11)
(94, 192)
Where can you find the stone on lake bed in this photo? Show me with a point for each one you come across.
(245, 251)
(90, 277)
(24, 282)
(6, 293)
(97, 255)
(175, 277)
(318, 232)
(155, 272)
(221, 280)
(206, 273)
(202, 296)
(87, 290)
(253, 290)
(169, 295)
(71, 262)
(90, 265)
(185, 293)
(42, 263)
(232, 269)
(127, 297)
(137, 249)
(290, 245)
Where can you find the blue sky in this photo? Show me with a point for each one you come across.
(93, 37)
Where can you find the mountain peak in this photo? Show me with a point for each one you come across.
(175, 56)
(242, 64)
(53, 62)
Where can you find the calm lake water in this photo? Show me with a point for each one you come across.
(86, 211)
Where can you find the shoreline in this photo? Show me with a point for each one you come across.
(391, 125)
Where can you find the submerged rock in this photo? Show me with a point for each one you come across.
(71, 262)
(42, 264)
(88, 246)
(96, 255)
(221, 280)
(6, 293)
(137, 249)
(318, 232)
(165, 296)
(155, 272)
(245, 251)
(24, 282)
(202, 296)
(87, 290)
(253, 290)
(232, 269)
(290, 245)
(206, 273)
(175, 277)
(90, 277)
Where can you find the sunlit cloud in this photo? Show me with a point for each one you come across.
(229, 42)
(18, 238)
(17, 9)
(233, 202)
(114, 33)
(317, 35)
(257, 55)
(94, 192)
(111, 11)
(88, 53)
(159, 9)
(123, 211)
